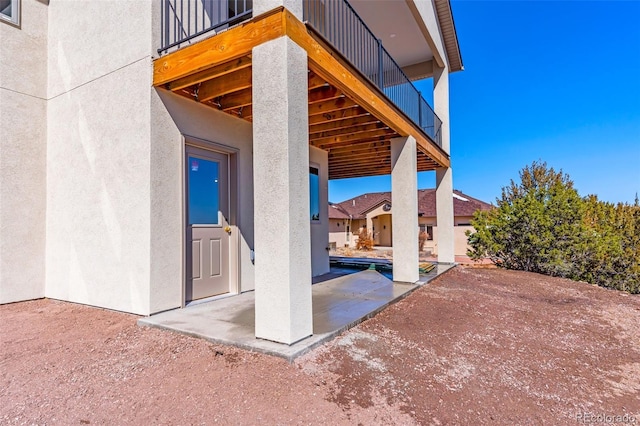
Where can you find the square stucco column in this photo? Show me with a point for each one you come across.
(444, 176)
(404, 197)
(293, 6)
(444, 215)
(281, 192)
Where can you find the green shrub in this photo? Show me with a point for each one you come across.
(541, 224)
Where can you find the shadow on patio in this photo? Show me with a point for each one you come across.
(339, 303)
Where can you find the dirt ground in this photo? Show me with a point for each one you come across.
(476, 346)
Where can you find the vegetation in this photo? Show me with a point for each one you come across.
(365, 240)
(543, 225)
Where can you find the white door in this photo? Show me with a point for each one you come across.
(207, 226)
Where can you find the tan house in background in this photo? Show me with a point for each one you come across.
(374, 211)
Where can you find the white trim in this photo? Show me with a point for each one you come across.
(14, 18)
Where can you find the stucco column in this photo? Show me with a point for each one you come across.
(441, 104)
(444, 215)
(444, 176)
(293, 6)
(281, 192)
(404, 220)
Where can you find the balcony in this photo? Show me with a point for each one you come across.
(339, 24)
(359, 97)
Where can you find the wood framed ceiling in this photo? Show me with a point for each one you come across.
(355, 134)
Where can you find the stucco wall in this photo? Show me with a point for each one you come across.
(23, 133)
(320, 229)
(192, 119)
(99, 154)
(460, 239)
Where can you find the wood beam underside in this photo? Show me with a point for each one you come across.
(345, 118)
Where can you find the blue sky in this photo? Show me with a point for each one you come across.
(543, 80)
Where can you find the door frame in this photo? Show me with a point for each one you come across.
(232, 202)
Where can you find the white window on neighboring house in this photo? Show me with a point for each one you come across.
(10, 11)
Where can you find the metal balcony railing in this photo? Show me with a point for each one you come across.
(340, 25)
(335, 20)
(184, 20)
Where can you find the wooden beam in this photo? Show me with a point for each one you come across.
(316, 81)
(331, 106)
(383, 169)
(369, 152)
(324, 94)
(347, 175)
(226, 46)
(236, 99)
(358, 158)
(361, 147)
(224, 85)
(357, 143)
(343, 76)
(354, 130)
(338, 115)
(208, 74)
(342, 124)
(350, 139)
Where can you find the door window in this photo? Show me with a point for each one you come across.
(204, 191)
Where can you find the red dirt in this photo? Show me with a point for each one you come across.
(475, 346)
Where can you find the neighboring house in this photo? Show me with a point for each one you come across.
(373, 212)
(139, 139)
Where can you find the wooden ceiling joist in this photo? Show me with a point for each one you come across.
(348, 116)
(208, 74)
(327, 117)
(235, 100)
(342, 124)
(355, 130)
(224, 85)
(351, 138)
(331, 106)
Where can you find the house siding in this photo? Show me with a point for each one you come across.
(23, 154)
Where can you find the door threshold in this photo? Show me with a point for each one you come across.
(209, 299)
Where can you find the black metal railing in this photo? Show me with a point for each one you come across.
(184, 20)
(340, 25)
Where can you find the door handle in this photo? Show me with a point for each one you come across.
(227, 229)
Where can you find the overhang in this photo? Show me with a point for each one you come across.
(348, 116)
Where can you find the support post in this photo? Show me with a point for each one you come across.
(404, 197)
(444, 176)
(283, 308)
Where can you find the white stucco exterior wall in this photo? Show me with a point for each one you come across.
(283, 309)
(320, 229)
(99, 154)
(23, 137)
(404, 196)
(181, 116)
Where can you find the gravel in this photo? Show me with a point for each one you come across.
(476, 346)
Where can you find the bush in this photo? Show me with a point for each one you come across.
(365, 240)
(542, 225)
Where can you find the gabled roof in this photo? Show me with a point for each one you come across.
(358, 207)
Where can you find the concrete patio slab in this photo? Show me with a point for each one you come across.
(338, 304)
